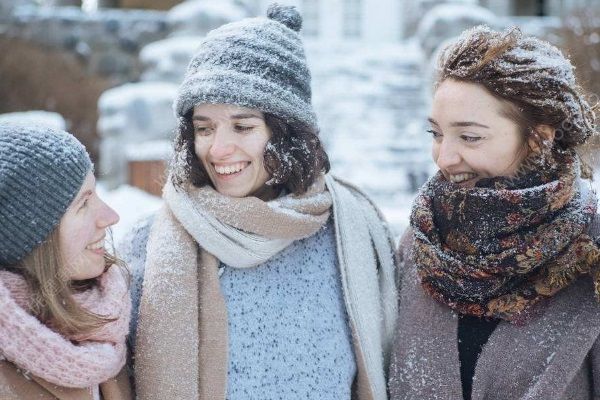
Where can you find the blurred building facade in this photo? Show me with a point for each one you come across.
(371, 64)
(394, 20)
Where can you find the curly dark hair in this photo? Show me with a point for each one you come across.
(532, 77)
(294, 156)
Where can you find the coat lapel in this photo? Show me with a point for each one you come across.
(539, 359)
(62, 393)
(425, 361)
(118, 388)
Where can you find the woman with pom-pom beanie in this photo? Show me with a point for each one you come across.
(263, 276)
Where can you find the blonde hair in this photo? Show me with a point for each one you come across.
(52, 292)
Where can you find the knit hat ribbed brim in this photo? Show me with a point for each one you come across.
(41, 171)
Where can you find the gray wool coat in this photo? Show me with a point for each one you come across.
(555, 355)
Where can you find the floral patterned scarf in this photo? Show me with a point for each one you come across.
(497, 249)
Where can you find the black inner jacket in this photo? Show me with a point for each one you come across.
(473, 333)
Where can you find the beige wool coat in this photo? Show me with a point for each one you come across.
(16, 386)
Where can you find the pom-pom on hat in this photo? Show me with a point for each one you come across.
(257, 63)
(288, 16)
(41, 171)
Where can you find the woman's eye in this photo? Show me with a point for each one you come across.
(84, 204)
(434, 134)
(470, 139)
(243, 128)
(201, 130)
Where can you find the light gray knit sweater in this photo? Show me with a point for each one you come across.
(289, 336)
(556, 355)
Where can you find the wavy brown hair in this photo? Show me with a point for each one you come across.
(534, 80)
(294, 156)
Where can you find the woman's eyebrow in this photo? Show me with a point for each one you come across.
(245, 116)
(431, 120)
(462, 124)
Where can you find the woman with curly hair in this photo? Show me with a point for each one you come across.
(264, 277)
(64, 299)
(500, 266)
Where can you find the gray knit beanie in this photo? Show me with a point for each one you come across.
(257, 63)
(41, 172)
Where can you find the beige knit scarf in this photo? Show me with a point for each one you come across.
(198, 228)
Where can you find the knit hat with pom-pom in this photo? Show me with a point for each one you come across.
(41, 171)
(257, 63)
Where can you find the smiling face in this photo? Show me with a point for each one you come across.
(472, 138)
(230, 143)
(82, 231)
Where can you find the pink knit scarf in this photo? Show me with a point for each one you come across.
(79, 361)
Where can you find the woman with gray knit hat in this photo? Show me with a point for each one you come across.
(501, 263)
(64, 300)
(263, 276)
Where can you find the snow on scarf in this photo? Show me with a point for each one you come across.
(497, 249)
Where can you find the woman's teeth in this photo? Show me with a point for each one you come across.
(96, 245)
(458, 178)
(230, 169)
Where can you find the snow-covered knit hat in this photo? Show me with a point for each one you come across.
(41, 172)
(257, 63)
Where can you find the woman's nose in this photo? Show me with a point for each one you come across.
(223, 144)
(447, 155)
(107, 216)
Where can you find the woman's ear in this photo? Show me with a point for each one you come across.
(542, 135)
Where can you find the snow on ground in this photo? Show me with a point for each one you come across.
(131, 204)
